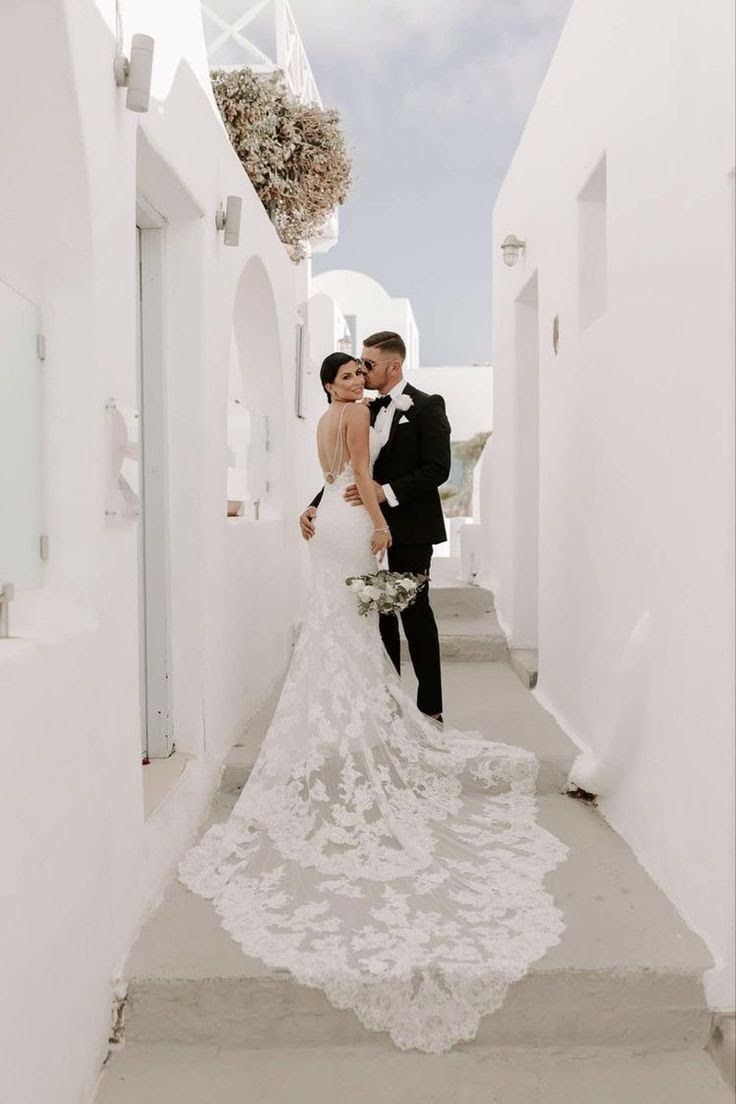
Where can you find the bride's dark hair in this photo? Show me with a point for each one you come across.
(331, 365)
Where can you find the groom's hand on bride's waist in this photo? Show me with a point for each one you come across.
(352, 494)
(306, 522)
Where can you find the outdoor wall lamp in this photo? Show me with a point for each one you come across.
(135, 72)
(512, 249)
(229, 219)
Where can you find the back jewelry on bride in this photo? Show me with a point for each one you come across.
(334, 471)
(332, 474)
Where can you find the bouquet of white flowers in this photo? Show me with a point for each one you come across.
(386, 591)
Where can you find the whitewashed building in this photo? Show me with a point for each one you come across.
(368, 308)
(148, 378)
(468, 393)
(608, 486)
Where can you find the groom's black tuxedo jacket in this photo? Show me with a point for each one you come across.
(415, 461)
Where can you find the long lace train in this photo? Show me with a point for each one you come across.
(396, 866)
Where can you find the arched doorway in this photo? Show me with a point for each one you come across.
(255, 482)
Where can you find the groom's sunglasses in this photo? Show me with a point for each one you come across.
(369, 364)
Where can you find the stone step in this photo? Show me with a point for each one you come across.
(464, 639)
(487, 699)
(525, 663)
(552, 777)
(446, 571)
(627, 971)
(374, 1075)
(460, 601)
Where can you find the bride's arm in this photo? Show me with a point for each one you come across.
(358, 422)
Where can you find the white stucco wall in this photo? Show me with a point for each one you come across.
(468, 393)
(374, 309)
(633, 425)
(82, 863)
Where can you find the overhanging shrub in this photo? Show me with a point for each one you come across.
(294, 154)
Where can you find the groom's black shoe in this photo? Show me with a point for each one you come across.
(439, 718)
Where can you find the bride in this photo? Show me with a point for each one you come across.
(392, 863)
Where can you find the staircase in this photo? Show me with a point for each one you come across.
(614, 1014)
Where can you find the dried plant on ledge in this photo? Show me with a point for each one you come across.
(294, 153)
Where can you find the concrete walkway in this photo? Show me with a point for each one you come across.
(364, 1075)
(614, 1014)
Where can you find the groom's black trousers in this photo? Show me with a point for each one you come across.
(420, 628)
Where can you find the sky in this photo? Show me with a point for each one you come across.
(433, 96)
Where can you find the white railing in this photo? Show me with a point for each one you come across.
(290, 56)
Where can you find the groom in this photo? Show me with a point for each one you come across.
(414, 460)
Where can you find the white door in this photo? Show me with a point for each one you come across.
(155, 651)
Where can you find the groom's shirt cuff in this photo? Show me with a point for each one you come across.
(390, 496)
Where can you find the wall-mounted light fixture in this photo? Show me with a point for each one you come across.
(512, 249)
(229, 219)
(134, 73)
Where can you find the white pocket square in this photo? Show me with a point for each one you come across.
(403, 420)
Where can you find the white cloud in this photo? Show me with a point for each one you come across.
(358, 28)
(457, 57)
(501, 81)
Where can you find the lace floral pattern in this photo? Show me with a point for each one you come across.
(394, 865)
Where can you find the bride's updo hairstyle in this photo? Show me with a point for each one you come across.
(331, 365)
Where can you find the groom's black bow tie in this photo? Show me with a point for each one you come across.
(383, 401)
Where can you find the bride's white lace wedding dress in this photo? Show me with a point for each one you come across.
(394, 864)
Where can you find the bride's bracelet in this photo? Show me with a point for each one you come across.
(386, 530)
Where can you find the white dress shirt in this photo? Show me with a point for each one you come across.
(382, 425)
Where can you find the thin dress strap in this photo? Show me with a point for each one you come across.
(331, 474)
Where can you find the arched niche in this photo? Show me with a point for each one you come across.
(255, 401)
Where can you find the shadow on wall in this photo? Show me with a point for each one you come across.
(254, 407)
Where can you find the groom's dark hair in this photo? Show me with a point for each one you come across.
(388, 341)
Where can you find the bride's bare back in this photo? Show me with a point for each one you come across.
(332, 445)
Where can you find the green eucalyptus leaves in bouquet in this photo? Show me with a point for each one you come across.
(386, 591)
